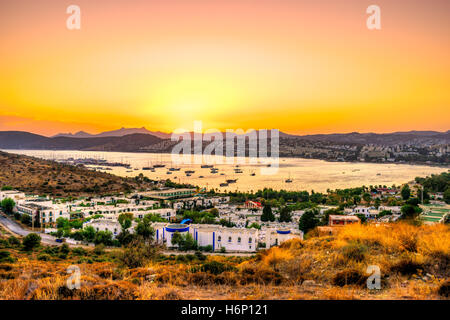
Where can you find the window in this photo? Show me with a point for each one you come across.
(249, 240)
(239, 240)
(219, 238)
(229, 239)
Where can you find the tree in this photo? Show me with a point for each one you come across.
(410, 211)
(285, 215)
(185, 242)
(447, 196)
(89, 234)
(309, 220)
(361, 217)
(214, 212)
(138, 254)
(8, 205)
(254, 225)
(104, 237)
(31, 241)
(267, 214)
(406, 192)
(62, 223)
(145, 230)
(125, 237)
(26, 219)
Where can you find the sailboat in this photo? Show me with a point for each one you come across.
(289, 180)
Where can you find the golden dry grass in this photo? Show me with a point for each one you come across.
(413, 262)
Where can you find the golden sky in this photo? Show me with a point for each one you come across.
(298, 66)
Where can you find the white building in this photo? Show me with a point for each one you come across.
(108, 225)
(12, 194)
(218, 237)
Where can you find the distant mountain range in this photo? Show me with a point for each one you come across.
(135, 140)
(26, 140)
(115, 133)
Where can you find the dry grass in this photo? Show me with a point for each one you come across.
(413, 262)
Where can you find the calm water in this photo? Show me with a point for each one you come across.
(306, 174)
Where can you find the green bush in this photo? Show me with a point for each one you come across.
(5, 256)
(215, 267)
(44, 257)
(64, 249)
(31, 241)
(79, 251)
(200, 256)
(99, 249)
(13, 241)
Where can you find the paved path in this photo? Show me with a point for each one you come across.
(16, 228)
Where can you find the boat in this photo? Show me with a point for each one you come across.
(201, 177)
(189, 171)
(169, 172)
(252, 174)
(288, 180)
(222, 174)
(237, 171)
(188, 174)
(159, 165)
(224, 184)
(231, 180)
(174, 169)
(206, 166)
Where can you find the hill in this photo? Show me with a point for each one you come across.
(37, 176)
(115, 133)
(25, 140)
(413, 263)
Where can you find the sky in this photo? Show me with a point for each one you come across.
(303, 67)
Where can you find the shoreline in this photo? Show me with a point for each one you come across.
(444, 166)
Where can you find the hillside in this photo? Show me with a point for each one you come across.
(25, 140)
(115, 133)
(39, 176)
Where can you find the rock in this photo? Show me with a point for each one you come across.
(309, 283)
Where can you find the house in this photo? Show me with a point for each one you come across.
(338, 220)
(252, 205)
(12, 194)
(108, 225)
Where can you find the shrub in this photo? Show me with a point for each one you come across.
(354, 251)
(200, 256)
(215, 267)
(13, 241)
(407, 266)
(137, 254)
(349, 277)
(44, 257)
(79, 251)
(444, 289)
(31, 241)
(5, 256)
(181, 258)
(64, 249)
(99, 249)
